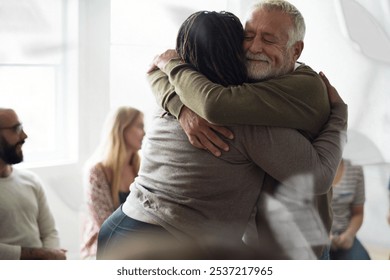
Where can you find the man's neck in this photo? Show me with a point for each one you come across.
(5, 170)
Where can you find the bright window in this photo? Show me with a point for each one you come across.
(38, 75)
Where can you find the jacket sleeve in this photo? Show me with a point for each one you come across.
(164, 93)
(297, 100)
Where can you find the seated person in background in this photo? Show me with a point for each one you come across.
(110, 171)
(388, 214)
(348, 211)
(194, 198)
(27, 228)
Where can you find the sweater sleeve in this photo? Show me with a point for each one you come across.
(10, 252)
(46, 223)
(98, 195)
(297, 100)
(388, 188)
(294, 161)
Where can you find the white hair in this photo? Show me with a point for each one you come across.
(297, 33)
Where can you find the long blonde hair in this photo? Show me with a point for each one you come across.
(114, 150)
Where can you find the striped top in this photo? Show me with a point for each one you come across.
(389, 186)
(348, 192)
(389, 195)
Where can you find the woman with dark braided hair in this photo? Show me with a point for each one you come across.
(212, 43)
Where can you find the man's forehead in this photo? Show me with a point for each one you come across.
(8, 117)
(273, 22)
(268, 17)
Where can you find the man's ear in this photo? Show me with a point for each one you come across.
(297, 49)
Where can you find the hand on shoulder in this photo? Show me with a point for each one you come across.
(162, 59)
(333, 95)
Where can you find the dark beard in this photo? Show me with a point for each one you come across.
(8, 152)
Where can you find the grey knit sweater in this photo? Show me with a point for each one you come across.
(195, 195)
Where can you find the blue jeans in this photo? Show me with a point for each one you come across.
(121, 237)
(356, 252)
(325, 254)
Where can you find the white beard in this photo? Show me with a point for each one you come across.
(259, 67)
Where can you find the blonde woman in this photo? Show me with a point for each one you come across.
(110, 172)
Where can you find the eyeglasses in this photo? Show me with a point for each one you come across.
(17, 128)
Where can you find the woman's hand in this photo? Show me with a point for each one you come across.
(162, 59)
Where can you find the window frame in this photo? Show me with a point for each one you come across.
(64, 132)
